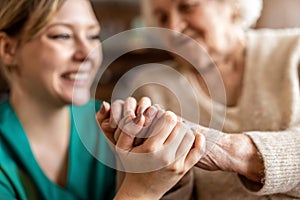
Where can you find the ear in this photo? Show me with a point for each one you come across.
(8, 47)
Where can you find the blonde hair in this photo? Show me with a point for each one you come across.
(250, 11)
(25, 19)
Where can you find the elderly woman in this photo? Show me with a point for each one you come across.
(259, 138)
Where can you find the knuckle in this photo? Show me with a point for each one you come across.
(181, 171)
(170, 117)
(165, 161)
(179, 125)
(151, 148)
(190, 136)
(177, 168)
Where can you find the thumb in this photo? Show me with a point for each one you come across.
(103, 112)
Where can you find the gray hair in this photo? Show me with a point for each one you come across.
(250, 11)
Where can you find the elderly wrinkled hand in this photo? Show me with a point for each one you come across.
(230, 152)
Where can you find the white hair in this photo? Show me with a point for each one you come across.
(250, 11)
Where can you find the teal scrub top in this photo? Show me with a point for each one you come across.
(22, 178)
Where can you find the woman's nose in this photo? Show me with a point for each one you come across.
(83, 49)
(176, 22)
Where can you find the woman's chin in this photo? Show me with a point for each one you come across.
(80, 97)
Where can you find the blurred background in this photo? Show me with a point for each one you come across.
(119, 15)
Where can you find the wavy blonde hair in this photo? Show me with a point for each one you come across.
(25, 19)
(249, 12)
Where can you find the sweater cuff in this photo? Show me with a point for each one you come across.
(281, 156)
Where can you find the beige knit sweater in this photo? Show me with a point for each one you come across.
(268, 111)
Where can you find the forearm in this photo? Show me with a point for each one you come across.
(267, 162)
(182, 190)
(235, 153)
(133, 190)
(244, 157)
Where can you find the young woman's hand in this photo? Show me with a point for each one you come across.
(158, 163)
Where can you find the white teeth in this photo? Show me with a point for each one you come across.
(77, 76)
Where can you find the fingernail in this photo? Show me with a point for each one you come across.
(151, 112)
(102, 108)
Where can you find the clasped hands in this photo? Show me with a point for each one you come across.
(148, 134)
(163, 147)
(154, 147)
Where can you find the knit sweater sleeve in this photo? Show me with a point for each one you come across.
(280, 149)
(281, 155)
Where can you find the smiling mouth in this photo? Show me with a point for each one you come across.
(76, 76)
(183, 40)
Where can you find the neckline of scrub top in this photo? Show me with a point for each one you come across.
(13, 129)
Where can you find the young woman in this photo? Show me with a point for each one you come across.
(50, 52)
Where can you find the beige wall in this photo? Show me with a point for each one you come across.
(280, 14)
